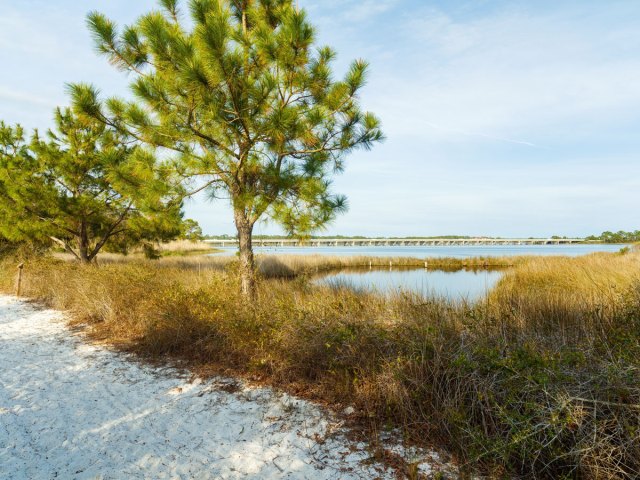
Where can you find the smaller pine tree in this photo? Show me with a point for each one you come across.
(84, 186)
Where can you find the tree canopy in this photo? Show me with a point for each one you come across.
(191, 230)
(616, 237)
(84, 185)
(247, 102)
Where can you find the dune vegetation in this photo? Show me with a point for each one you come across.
(540, 380)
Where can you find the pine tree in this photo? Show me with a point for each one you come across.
(191, 230)
(83, 186)
(247, 102)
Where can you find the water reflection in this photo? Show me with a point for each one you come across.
(465, 284)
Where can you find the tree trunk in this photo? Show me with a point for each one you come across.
(83, 252)
(247, 264)
(83, 244)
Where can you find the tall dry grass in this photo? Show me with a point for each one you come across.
(292, 266)
(289, 266)
(567, 300)
(185, 247)
(541, 381)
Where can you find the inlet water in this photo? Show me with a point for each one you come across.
(470, 285)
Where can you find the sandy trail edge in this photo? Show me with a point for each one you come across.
(78, 411)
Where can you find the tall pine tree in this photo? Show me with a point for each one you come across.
(246, 100)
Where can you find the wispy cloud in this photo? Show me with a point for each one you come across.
(350, 11)
(481, 135)
(25, 97)
(508, 74)
(367, 9)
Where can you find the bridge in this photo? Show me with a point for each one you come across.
(393, 242)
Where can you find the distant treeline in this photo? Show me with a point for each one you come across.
(616, 237)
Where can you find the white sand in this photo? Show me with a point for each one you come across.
(74, 411)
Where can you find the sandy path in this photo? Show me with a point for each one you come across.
(74, 411)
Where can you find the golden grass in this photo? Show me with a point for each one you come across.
(185, 247)
(575, 291)
(542, 380)
(292, 266)
(289, 266)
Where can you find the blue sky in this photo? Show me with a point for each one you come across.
(510, 118)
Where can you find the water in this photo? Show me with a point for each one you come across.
(455, 251)
(458, 285)
(462, 284)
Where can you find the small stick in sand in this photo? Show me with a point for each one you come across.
(19, 282)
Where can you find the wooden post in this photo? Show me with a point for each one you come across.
(19, 281)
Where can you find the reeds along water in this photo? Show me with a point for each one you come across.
(569, 299)
(287, 266)
(290, 266)
(184, 247)
(541, 380)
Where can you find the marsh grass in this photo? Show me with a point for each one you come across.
(185, 247)
(289, 266)
(293, 266)
(541, 380)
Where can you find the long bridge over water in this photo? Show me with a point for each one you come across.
(393, 242)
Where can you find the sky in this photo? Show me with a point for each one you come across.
(503, 118)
